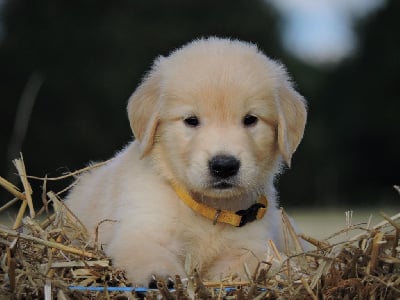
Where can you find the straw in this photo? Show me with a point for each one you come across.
(48, 253)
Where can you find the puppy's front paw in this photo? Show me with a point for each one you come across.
(156, 282)
(233, 264)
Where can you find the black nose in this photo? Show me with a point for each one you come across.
(224, 166)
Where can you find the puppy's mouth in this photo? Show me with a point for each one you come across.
(222, 185)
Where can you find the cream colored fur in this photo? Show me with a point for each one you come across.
(219, 81)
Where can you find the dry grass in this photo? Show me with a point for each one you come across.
(46, 252)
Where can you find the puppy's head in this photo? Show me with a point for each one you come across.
(217, 116)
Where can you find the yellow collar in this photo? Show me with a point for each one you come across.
(237, 219)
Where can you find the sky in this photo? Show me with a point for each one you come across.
(320, 31)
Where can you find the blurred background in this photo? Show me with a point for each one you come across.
(67, 69)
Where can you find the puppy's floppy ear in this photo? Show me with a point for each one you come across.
(143, 110)
(292, 115)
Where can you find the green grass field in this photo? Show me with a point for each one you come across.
(322, 222)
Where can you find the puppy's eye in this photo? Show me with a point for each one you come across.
(249, 120)
(192, 121)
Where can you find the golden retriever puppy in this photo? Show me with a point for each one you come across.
(213, 123)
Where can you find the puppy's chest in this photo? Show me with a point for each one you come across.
(208, 241)
(205, 242)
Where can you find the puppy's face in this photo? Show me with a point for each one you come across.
(216, 135)
(216, 117)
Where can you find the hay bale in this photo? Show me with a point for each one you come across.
(48, 255)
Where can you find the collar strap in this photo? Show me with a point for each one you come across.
(237, 219)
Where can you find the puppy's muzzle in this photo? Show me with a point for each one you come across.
(224, 166)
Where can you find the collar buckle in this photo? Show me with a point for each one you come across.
(254, 212)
